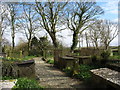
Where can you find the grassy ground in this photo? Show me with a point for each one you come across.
(7, 78)
(25, 83)
(19, 59)
(115, 57)
(50, 61)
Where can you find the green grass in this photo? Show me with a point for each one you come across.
(68, 71)
(19, 59)
(28, 57)
(115, 57)
(50, 61)
(6, 78)
(25, 83)
(83, 72)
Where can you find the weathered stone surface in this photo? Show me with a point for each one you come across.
(23, 69)
(84, 59)
(114, 66)
(7, 84)
(57, 54)
(110, 77)
(66, 62)
(2, 54)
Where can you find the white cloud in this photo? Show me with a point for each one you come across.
(111, 7)
(115, 20)
(114, 42)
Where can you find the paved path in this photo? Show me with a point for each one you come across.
(7, 84)
(51, 77)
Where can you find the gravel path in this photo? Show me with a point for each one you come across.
(51, 77)
(7, 84)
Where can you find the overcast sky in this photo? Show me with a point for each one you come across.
(110, 8)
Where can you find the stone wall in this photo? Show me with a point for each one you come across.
(72, 61)
(88, 51)
(84, 59)
(66, 62)
(114, 64)
(2, 54)
(23, 69)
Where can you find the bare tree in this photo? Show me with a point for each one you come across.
(12, 21)
(3, 22)
(103, 32)
(28, 23)
(50, 13)
(108, 33)
(87, 39)
(80, 17)
(94, 33)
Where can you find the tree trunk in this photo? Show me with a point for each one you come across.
(106, 47)
(29, 46)
(75, 41)
(0, 38)
(86, 40)
(13, 29)
(13, 43)
(54, 40)
(96, 45)
(13, 36)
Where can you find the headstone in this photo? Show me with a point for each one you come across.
(57, 54)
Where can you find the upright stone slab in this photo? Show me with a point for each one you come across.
(57, 54)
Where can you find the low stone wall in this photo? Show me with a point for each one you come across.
(114, 64)
(17, 69)
(67, 62)
(73, 61)
(84, 59)
(2, 54)
(89, 51)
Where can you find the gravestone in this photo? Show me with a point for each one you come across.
(84, 59)
(19, 69)
(57, 54)
(66, 62)
(105, 78)
(2, 55)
